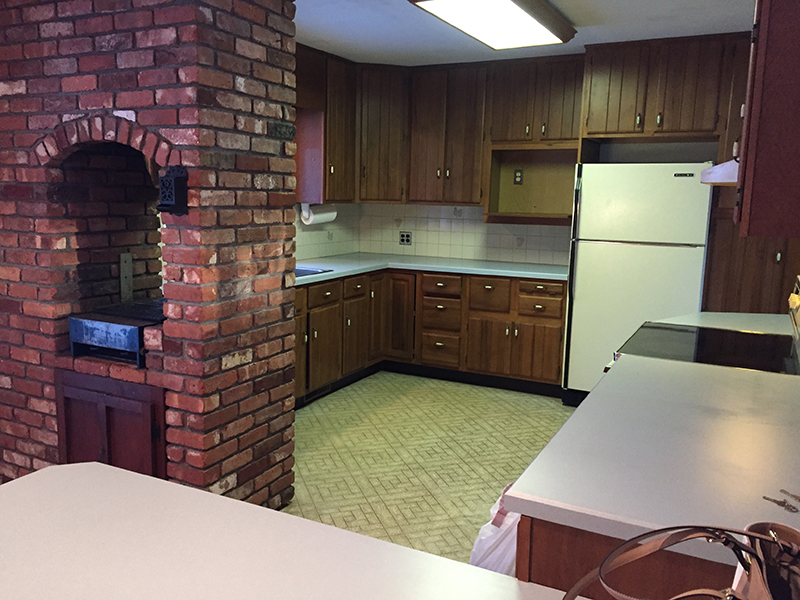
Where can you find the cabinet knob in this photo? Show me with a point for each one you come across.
(305, 338)
(488, 287)
(438, 173)
(439, 344)
(315, 334)
(638, 120)
(544, 128)
(327, 294)
(439, 284)
(778, 257)
(507, 330)
(358, 287)
(527, 129)
(331, 169)
(659, 119)
(447, 173)
(348, 322)
(516, 331)
(440, 307)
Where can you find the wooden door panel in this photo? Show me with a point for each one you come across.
(401, 300)
(428, 105)
(378, 310)
(324, 346)
(558, 86)
(617, 85)
(300, 355)
(340, 131)
(513, 83)
(466, 91)
(522, 350)
(547, 353)
(111, 421)
(355, 334)
(372, 148)
(489, 346)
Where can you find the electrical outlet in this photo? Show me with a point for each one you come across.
(517, 176)
(405, 238)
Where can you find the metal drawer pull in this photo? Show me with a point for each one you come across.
(439, 284)
(358, 287)
(348, 322)
(659, 119)
(447, 173)
(440, 307)
(439, 344)
(538, 307)
(371, 294)
(315, 334)
(327, 294)
(539, 287)
(331, 169)
(506, 330)
(488, 287)
(438, 173)
(638, 120)
(305, 338)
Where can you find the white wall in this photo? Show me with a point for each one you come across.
(442, 231)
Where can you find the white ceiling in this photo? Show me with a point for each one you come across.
(396, 32)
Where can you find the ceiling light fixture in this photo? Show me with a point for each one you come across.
(502, 24)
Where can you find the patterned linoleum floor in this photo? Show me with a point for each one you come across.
(416, 461)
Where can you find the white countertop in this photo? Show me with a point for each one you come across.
(345, 265)
(93, 532)
(660, 443)
(749, 322)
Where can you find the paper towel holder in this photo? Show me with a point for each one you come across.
(323, 214)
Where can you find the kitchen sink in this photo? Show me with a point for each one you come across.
(305, 271)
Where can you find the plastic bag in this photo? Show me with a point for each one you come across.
(495, 548)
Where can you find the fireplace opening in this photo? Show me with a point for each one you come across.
(108, 201)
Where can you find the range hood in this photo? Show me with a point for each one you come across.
(725, 174)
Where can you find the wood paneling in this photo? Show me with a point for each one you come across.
(378, 315)
(355, 334)
(512, 88)
(384, 134)
(441, 349)
(340, 131)
(490, 294)
(489, 345)
(558, 99)
(558, 556)
(426, 162)
(615, 89)
(401, 300)
(111, 421)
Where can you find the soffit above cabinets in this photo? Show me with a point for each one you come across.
(397, 32)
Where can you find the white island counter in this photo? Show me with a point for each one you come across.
(93, 532)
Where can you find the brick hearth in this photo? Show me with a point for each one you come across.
(96, 98)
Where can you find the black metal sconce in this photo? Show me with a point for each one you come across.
(173, 191)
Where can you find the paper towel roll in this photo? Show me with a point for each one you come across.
(314, 214)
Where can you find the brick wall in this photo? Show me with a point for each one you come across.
(205, 84)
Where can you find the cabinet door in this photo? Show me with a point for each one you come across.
(616, 88)
(685, 85)
(324, 346)
(300, 355)
(489, 346)
(340, 132)
(355, 334)
(401, 301)
(426, 168)
(512, 89)
(464, 139)
(384, 134)
(536, 351)
(377, 316)
(558, 99)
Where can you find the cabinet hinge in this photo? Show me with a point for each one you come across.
(754, 34)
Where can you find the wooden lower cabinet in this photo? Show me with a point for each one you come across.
(536, 351)
(377, 316)
(324, 346)
(355, 334)
(489, 345)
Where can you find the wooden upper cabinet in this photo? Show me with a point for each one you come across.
(428, 123)
(770, 158)
(466, 93)
(512, 101)
(615, 88)
(558, 99)
(340, 131)
(446, 135)
(383, 117)
(685, 85)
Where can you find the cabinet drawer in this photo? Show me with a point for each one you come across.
(356, 286)
(441, 285)
(321, 294)
(441, 313)
(540, 306)
(491, 294)
(541, 287)
(441, 349)
(300, 300)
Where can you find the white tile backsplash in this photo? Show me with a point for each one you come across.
(442, 231)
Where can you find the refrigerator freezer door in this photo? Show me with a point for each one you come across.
(659, 203)
(616, 288)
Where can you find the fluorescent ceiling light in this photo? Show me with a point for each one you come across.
(502, 24)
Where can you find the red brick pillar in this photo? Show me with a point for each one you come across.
(208, 85)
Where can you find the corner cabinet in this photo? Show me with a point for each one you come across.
(383, 134)
(770, 162)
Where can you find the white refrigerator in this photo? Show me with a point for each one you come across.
(638, 254)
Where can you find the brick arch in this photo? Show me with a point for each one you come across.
(54, 148)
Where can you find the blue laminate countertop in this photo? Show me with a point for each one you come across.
(345, 265)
